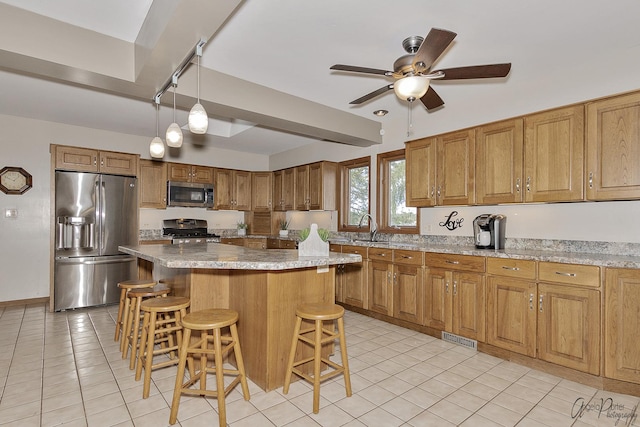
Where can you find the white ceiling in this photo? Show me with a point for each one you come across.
(562, 52)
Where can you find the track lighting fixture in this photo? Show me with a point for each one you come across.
(198, 119)
(156, 148)
(174, 133)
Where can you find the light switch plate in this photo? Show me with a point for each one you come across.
(11, 213)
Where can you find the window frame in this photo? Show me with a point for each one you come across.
(345, 191)
(383, 161)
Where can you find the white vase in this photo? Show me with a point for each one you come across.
(242, 231)
(284, 233)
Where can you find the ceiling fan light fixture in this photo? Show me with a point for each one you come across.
(411, 88)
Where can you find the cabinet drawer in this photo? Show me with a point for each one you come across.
(381, 254)
(520, 268)
(355, 250)
(455, 262)
(572, 274)
(405, 257)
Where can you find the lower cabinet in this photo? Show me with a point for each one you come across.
(380, 281)
(556, 322)
(454, 295)
(622, 323)
(408, 285)
(354, 278)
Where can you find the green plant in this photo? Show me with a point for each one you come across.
(322, 232)
(284, 224)
(243, 225)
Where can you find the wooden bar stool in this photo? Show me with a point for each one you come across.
(318, 313)
(124, 288)
(162, 324)
(204, 321)
(131, 331)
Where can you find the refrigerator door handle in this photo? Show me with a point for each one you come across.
(101, 211)
(94, 260)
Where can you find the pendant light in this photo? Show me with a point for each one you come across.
(174, 133)
(156, 148)
(198, 119)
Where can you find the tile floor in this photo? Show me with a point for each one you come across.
(65, 368)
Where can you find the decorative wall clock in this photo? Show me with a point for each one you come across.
(14, 180)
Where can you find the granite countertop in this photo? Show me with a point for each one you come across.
(220, 256)
(603, 260)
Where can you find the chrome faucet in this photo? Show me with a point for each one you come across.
(373, 227)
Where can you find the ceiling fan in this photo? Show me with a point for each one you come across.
(413, 71)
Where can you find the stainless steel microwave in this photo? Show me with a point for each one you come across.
(189, 194)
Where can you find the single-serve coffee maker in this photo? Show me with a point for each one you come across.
(489, 231)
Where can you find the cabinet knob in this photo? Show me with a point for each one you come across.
(528, 184)
(455, 287)
(561, 273)
(590, 179)
(510, 268)
(452, 262)
(540, 302)
(530, 301)
(517, 185)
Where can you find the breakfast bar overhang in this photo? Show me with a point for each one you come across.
(263, 286)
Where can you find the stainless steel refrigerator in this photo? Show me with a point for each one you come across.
(94, 214)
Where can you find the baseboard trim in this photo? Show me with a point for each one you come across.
(29, 301)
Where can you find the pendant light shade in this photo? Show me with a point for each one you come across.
(411, 88)
(174, 133)
(198, 119)
(156, 148)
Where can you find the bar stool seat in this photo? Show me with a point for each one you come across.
(124, 288)
(318, 313)
(162, 324)
(204, 321)
(134, 318)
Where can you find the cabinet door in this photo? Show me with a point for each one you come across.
(569, 327)
(261, 191)
(554, 155)
(420, 161)
(179, 172)
(622, 323)
(302, 188)
(223, 194)
(437, 304)
(455, 175)
(512, 314)
(469, 305)
(118, 163)
(202, 174)
(242, 190)
(499, 157)
(323, 186)
(380, 290)
(354, 285)
(77, 159)
(408, 285)
(277, 194)
(289, 189)
(613, 148)
(152, 184)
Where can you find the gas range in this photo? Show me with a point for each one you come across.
(185, 231)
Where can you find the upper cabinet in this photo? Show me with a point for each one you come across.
(88, 160)
(232, 189)
(261, 191)
(316, 186)
(499, 162)
(190, 173)
(284, 190)
(554, 155)
(613, 148)
(441, 170)
(152, 184)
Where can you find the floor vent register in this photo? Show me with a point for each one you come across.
(457, 339)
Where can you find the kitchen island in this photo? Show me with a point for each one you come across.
(264, 286)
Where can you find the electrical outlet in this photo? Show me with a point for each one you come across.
(428, 228)
(11, 213)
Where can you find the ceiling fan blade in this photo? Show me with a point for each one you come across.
(431, 99)
(432, 47)
(341, 67)
(372, 94)
(475, 72)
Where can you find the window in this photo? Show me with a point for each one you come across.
(355, 184)
(394, 215)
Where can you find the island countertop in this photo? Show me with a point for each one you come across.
(219, 256)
